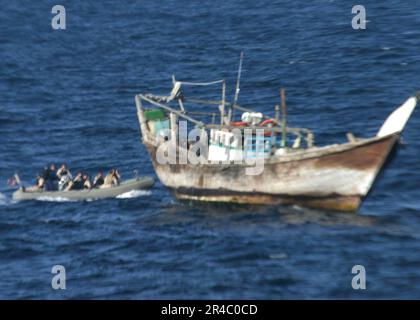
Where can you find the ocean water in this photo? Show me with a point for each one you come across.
(68, 96)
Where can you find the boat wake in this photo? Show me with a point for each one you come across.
(54, 199)
(4, 201)
(134, 194)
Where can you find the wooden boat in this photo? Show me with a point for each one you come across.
(91, 194)
(333, 177)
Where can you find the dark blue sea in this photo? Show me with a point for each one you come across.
(68, 96)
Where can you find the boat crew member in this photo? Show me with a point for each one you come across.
(45, 177)
(50, 178)
(63, 171)
(86, 182)
(111, 179)
(98, 180)
(38, 185)
(65, 177)
(77, 183)
(117, 176)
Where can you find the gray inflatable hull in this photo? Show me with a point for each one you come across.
(112, 192)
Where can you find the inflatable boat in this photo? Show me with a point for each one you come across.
(87, 194)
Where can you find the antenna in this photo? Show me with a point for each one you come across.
(238, 80)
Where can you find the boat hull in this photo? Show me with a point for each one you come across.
(335, 177)
(126, 186)
(336, 203)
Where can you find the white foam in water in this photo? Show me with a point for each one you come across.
(3, 200)
(279, 256)
(54, 199)
(134, 194)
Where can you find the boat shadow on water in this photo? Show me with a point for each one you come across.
(292, 215)
(328, 218)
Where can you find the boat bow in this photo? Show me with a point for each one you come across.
(397, 120)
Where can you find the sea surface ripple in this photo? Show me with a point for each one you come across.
(68, 96)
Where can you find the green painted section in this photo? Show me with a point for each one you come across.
(154, 114)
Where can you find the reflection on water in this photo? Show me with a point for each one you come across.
(304, 215)
(3, 199)
(178, 212)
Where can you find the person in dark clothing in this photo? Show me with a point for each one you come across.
(86, 181)
(77, 183)
(46, 173)
(38, 185)
(50, 178)
(98, 180)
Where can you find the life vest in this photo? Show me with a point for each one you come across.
(238, 124)
(266, 123)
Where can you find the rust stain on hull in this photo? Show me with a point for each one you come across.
(333, 203)
(366, 157)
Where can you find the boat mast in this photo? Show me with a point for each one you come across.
(222, 107)
(284, 115)
(277, 113)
